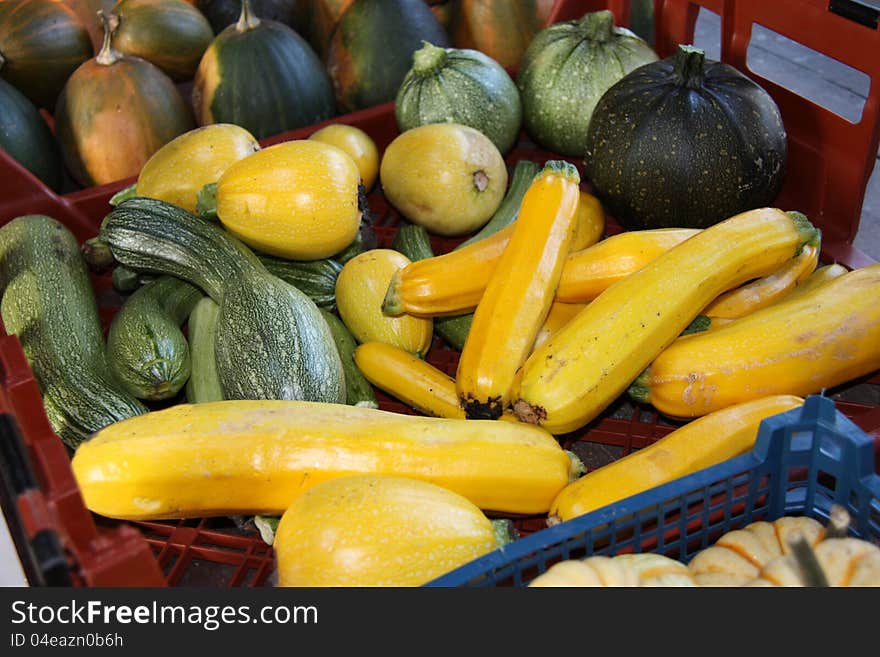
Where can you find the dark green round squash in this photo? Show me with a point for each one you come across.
(223, 13)
(564, 72)
(261, 75)
(172, 34)
(372, 47)
(459, 85)
(685, 142)
(41, 43)
(26, 137)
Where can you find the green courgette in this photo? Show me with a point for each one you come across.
(317, 278)
(125, 280)
(271, 341)
(48, 302)
(146, 350)
(204, 382)
(358, 391)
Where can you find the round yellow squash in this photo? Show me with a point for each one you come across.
(447, 177)
(360, 290)
(375, 530)
(297, 200)
(359, 146)
(177, 171)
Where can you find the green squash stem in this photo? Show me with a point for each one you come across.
(428, 58)
(505, 531)
(640, 390)
(689, 66)
(247, 20)
(108, 55)
(598, 26)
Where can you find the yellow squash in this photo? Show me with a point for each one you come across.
(519, 292)
(766, 290)
(360, 289)
(411, 379)
(297, 200)
(256, 457)
(560, 314)
(178, 171)
(372, 530)
(359, 146)
(454, 282)
(693, 446)
(590, 271)
(798, 346)
(591, 361)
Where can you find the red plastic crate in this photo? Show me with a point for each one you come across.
(216, 551)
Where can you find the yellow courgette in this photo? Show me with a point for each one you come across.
(256, 457)
(696, 445)
(591, 361)
(559, 315)
(519, 292)
(454, 282)
(798, 346)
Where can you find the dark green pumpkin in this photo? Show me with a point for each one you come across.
(26, 137)
(685, 142)
(223, 13)
(460, 85)
(41, 43)
(564, 72)
(261, 75)
(172, 34)
(372, 47)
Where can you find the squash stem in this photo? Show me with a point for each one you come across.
(598, 25)
(505, 531)
(838, 523)
(640, 389)
(428, 59)
(810, 569)
(247, 20)
(689, 66)
(108, 55)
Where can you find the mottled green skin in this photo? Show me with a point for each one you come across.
(662, 154)
(26, 137)
(49, 304)
(42, 43)
(317, 278)
(466, 87)
(271, 341)
(204, 382)
(358, 390)
(271, 81)
(146, 349)
(372, 47)
(563, 75)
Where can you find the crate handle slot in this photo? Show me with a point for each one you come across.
(864, 13)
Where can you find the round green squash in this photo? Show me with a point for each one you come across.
(41, 43)
(458, 85)
(26, 136)
(261, 75)
(685, 142)
(114, 112)
(564, 72)
(172, 34)
(372, 47)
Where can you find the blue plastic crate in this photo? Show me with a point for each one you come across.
(804, 461)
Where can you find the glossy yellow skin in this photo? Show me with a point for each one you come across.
(453, 283)
(559, 315)
(767, 289)
(411, 379)
(696, 445)
(177, 171)
(844, 561)
(359, 146)
(371, 530)
(591, 270)
(519, 293)
(640, 569)
(297, 200)
(819, 277)
(797, 346)
(360, 290)
(738, 556)
(447, 177)
(256, 457)
(591, 361)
